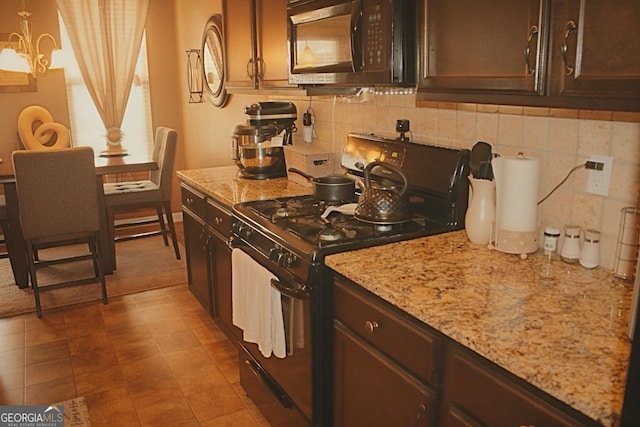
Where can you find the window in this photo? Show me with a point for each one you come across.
(86, 125)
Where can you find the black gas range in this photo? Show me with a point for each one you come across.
(290, 238)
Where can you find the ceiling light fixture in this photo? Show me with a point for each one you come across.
(20, 55)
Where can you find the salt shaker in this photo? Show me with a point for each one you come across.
(590, 252)
(570, 252)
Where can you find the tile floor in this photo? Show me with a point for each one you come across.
(148, 359)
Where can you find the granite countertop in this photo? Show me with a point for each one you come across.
(560, 327)
(223, 184)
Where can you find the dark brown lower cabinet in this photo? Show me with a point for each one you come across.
(207, 227)
(476, 393)
(195, 240)
(220, 259)
(371, 390)
(384, 365)
(197, 270)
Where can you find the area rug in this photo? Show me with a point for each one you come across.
(142, 264)
(76, 412)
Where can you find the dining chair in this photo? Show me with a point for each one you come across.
(4, 224)
(154, 192)
(58, 200)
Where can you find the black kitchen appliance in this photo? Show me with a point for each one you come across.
(257, 144)
(352, 43)
(291, 236)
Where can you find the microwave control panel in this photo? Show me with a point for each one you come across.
(376, 35)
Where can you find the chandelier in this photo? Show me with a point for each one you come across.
(20, 54)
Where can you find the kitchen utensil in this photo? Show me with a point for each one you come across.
(481, 152)
(331, 188)
(485, 171)
(348, 209)
(385, 203)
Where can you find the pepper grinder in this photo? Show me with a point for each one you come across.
(570, 252)
(590, 252)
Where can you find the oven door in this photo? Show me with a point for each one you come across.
(325, 39)
(288, 378)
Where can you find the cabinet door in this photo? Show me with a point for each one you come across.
(273, 47)
(596, 49)
(196, 246)
(239, 30)
(256, 42)
(370, 390)
(221, 269)
(477, 394)
(493, 46)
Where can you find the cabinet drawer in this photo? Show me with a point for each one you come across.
(193, 200)
(477, 394)
(415, 348)
(218, 217)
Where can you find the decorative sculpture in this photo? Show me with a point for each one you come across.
(38, 131)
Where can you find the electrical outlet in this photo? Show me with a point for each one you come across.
(598, 181)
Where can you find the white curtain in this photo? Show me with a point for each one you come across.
(105, 36)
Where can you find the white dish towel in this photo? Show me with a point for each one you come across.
(256, 305)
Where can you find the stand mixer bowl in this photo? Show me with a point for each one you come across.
(258, 158)
(254, 154)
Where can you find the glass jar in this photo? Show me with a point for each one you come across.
(550, 244)
(570, 252)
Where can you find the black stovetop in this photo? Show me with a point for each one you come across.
(298, 220)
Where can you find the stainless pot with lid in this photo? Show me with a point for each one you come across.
(383, 202)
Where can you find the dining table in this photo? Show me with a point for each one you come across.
(14, 239)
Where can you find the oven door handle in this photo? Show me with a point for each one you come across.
(287, 291)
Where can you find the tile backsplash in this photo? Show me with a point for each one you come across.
(561, 139)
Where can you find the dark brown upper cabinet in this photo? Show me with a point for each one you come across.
(256, 43)
(553, 53)
(479, 46)
(596, 50)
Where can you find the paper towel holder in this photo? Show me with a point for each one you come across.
(520, 239)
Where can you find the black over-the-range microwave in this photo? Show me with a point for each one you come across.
(352, 42)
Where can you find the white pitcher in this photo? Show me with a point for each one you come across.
(481, 212)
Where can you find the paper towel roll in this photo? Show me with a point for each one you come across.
(517, 193)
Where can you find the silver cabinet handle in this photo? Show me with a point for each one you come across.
(533, 32)
(189, 200)
(371, 326)
(259, 68)
(568, 68)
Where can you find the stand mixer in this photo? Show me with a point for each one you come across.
(257, 145)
